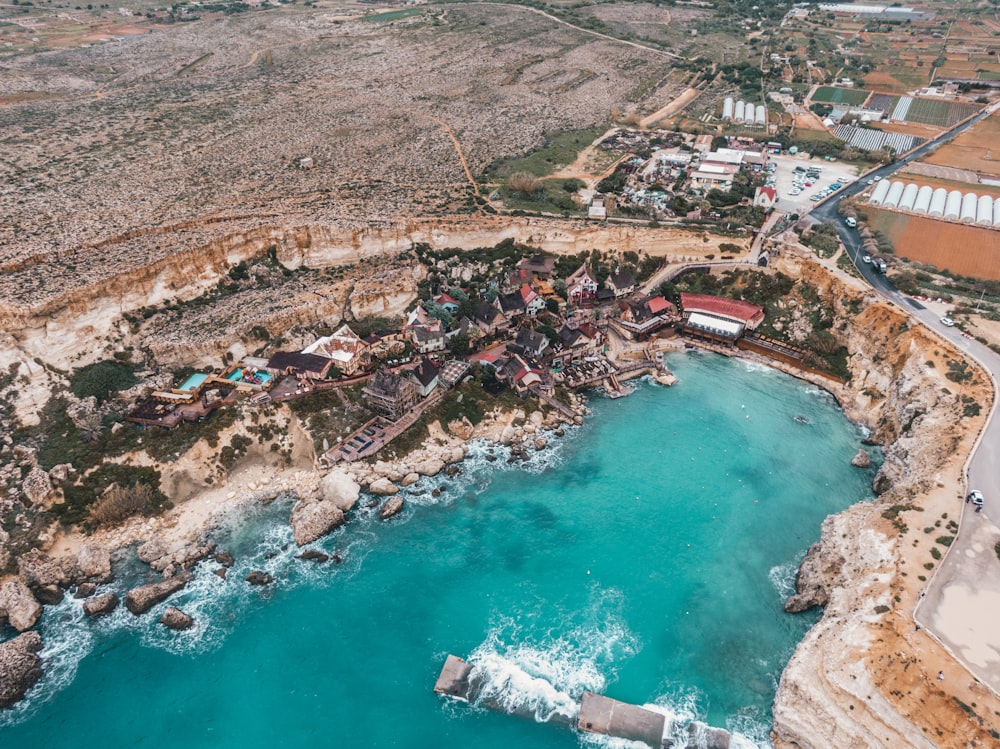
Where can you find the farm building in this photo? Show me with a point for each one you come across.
(879, 193)
(953, 208)
(909, 197)
(984, 213)
(938, 200)
(969, 205)
(923, 201)
(895, 193)
(727, 108)
(760, 115)
(741, 109)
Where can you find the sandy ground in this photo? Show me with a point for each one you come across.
(676, 105)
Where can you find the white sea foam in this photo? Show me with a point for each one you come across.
(545, 679)
(782, 577)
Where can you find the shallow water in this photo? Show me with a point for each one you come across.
(646, 557)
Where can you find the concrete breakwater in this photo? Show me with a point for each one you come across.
(590, 713)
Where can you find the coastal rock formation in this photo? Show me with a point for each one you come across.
(311, 520)
(225, 558)
(259, 578)
(182, 556)
(142, 599)
(85, 590)
(383, 487)
(429, 467)
(93, 564)
(49, 595)
(37, 487)
(410, 479)
(18, 606)
(340, 489)
(393, 507)
(312, 555)
(38, 570)
(817, 574)
(20, 667)
(174, 618)
(862, 459)
(100, 605)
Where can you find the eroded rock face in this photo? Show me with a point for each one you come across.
(174, 618)
(37, 487)
(38, 570)
(817, 575)
(100, 605)
(312, 520)
(259, 578)
(383, 487)
(20, 667)
(393, 507)
(142, 599)
(862, 459)
(340, 489)
(19, 605)
(429, 467)
(93, 564)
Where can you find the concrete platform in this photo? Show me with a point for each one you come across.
(610, 717)
(454, 678)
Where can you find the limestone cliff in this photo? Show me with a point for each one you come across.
(850, 681)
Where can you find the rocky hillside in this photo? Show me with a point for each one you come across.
(861, 677)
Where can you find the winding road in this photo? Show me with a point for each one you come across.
(961, 605)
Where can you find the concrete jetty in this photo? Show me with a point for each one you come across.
(610, 717)
(454, 678)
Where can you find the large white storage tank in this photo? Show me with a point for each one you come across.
(996, 213)
(938, 200)
(969, 205)
(760, 115)
(953, 207)
(895, 193)
(727, 108)
(740, 111)
(909, 197)
(984, 213)
(923, 201)
(879, 193)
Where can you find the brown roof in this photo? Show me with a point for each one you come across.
(299, 362)
(732, 309)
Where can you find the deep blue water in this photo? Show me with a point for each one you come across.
(646, 556)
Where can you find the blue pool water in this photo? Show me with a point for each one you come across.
(646, 556)
(261, 378)
(192, 382)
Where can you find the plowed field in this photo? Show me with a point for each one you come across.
(969, 150)
(965, 250)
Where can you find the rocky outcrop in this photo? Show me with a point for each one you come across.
(862, 459)
(100, 605)
(18, 606)
(174, 618)
(340, 489)
(393, 507)
(311, 520)
(429, 467)
(259, 578)
(37, 487)
(178, 557)
(20, 667)
(818, 573)
(312, 555)
(142, 599)
(93, 564)
(383, 487)
(38, 570)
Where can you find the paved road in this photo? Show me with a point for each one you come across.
(962, 602)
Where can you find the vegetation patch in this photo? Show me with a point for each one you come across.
(102, 379)
(556, 151)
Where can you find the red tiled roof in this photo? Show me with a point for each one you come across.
(769, 191)
(658, 304)
(445, 299)
(733, 309)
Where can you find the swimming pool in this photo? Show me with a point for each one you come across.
(193, 382)
(254, 378)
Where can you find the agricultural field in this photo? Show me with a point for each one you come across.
(963, 250)
(942, 114)
(977, 149)
(831, 95)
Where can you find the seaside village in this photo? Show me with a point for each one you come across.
(529, 331)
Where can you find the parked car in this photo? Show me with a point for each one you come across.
(948, 322)
(867, 258)
(976, 497)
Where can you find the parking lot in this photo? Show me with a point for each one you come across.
(830, 172)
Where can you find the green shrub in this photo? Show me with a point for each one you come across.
(102, 379)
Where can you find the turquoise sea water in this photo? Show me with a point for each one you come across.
(646, 556)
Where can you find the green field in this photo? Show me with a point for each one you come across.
(556, 151)
(939, 113)
(831, 95)
(394, 15)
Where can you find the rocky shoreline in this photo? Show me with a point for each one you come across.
(172, 547)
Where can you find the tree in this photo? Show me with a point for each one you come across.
(438, 312)
(460, 345)
(552, 305)
(102, 379)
